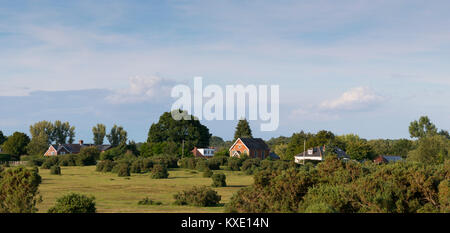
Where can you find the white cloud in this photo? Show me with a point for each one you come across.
(143, 89)
(358, 98)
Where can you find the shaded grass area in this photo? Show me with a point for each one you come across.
(121, 194)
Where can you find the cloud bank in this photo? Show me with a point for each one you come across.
(143, 89)
(358, 98)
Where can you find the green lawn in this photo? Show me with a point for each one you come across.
(121, 194)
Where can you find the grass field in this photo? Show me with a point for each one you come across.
(121, 194)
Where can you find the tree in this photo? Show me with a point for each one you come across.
(16, 144)
(73, 203)
(3, 138)
(169, 130)
(19, 191)
(215, 141)
(360, 150)
(45, 127)
(422, 128)
(281, 150)
(63, 132)
(99, 132)
(243, 130)
(38, 144)
(58, 132)
(431, 149)
(117, 136)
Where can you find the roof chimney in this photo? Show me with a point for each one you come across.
(81, 142)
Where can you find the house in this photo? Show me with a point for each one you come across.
(63, 149)
(317, 154)
(252, 147)
(387, 159)
(203, 152)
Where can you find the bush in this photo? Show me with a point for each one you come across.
(219, 180)
(190, 163)
(202, 165)
(198, 196)
(136, 166)
(74, 203)
(122, 169)
(251, 166)
(208, 173)
(49, 162)
(234, 164)
(36, 160)
(148, 201)
(105, 166)
(214, 163)
(19, 190)
(55, 170)
(67, 160)
(88, 156)
(6, 157)
(159, 172)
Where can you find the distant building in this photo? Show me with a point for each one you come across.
(387, 159)
(252, 147)
(203, 152)
(62, 149)
(317, 154)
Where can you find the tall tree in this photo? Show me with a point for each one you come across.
(431, 149)
(3, 138)
(99, 132)
(117, 136)
(167, 129)
(43, 127)
(360, 150)
(422, 128)
(16, 144)
(243, 130)
(38, 144)
(63, 132)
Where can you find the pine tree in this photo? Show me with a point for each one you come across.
(243, 130)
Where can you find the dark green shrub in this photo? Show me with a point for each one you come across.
(148, 201)
(234, 164)
(123, 169)
(251, 166)
(55, 170)
(159, 172)
(6, 157)
(19, 190)
(198, 196)
(49, 162)
(214, 163)
(35, 160)
(222, 160)
(202, 165)
(219, 180)
(88, 156)
(208, 173)
(74, 203)
(105, 166)
(67, 160)
(136, 166)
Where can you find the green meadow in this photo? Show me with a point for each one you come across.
(121, 194)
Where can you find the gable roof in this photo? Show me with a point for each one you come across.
(76, 148)
(319, 151)
(253, 143)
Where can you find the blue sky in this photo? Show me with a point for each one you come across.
(364, 67)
